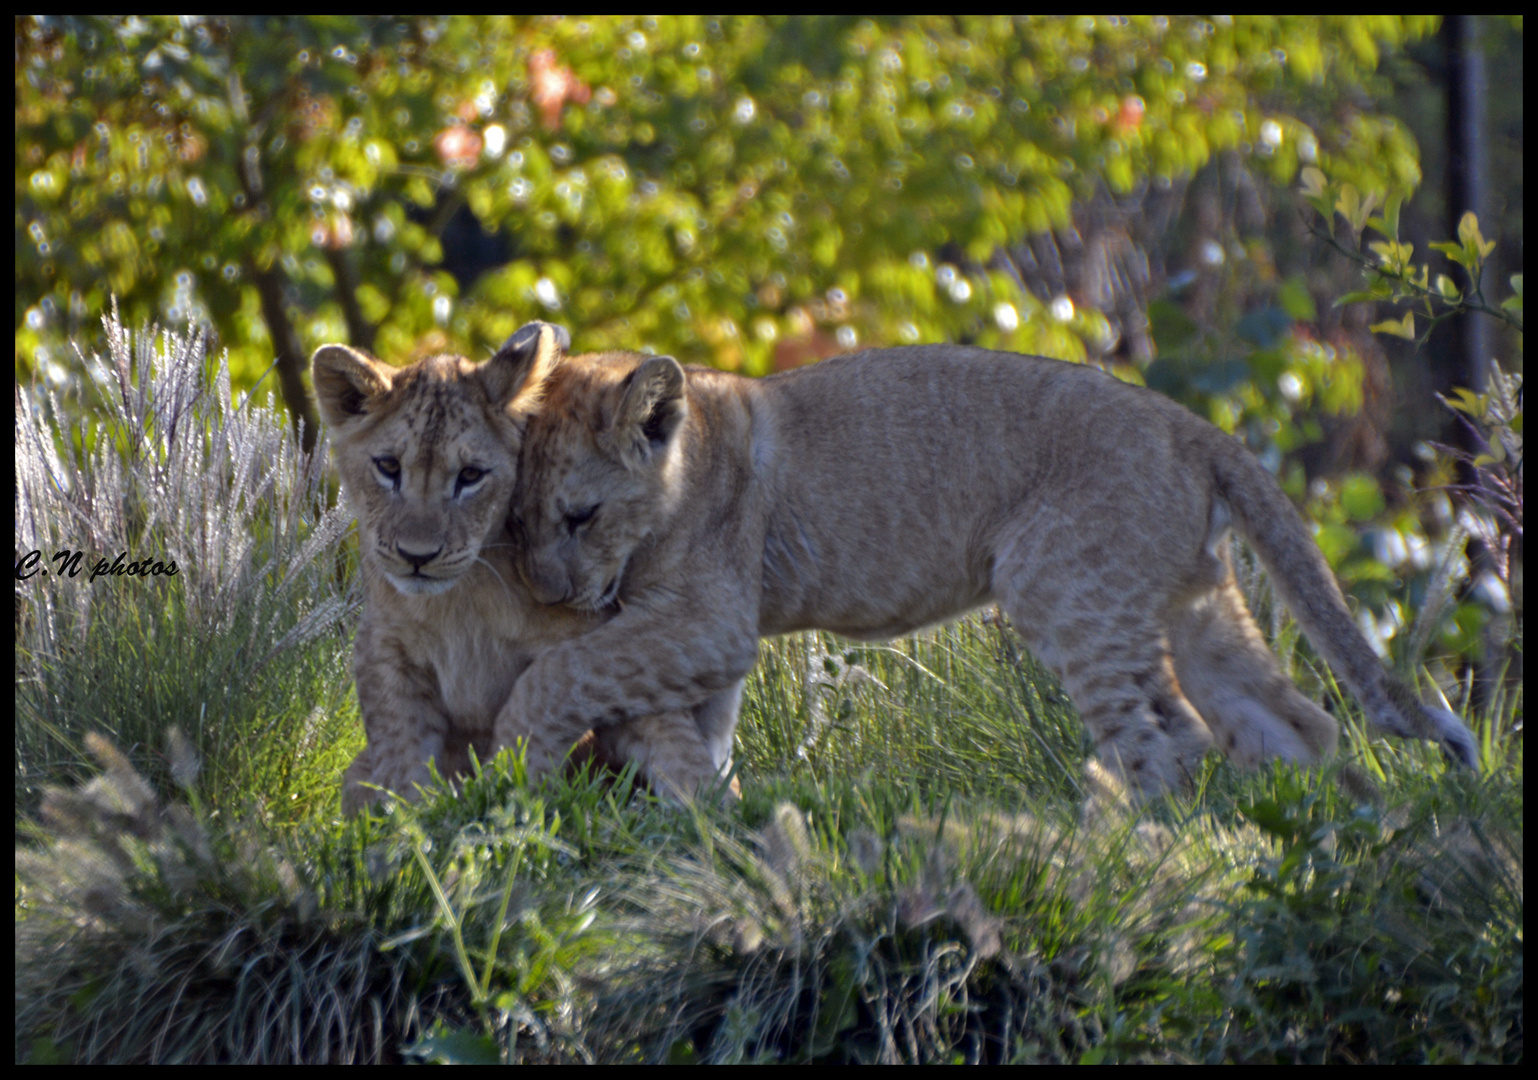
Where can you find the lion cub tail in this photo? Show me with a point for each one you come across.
(1302, 578)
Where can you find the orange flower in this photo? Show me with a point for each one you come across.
(458, 147)
(1130, 116)
(554, 86)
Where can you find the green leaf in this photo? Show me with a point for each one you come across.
(1272, 817)
(456, 1046)
(1349, 204)
(1368, 569)
(1513, 304)
(1361, 497)
(1314, 183)
(1294, 298)
(46, 1051)
(1170, 325)
(1388, 224)
(1468, 402)
(1337, 542)
(682, 1052)
(1404, 328)
(1354, 207)
(837, 1011)
(1392, 254)
(1360, 298)
(1455, 252)
(1471, 238)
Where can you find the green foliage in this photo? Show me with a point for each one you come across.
(1490, 483)
(704, 186)
(1268, 379)
(1391, 276)
(1357, 932)
(1265, 367)
(148, 931)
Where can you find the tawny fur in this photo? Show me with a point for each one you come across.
(447, 625)
(873, 494)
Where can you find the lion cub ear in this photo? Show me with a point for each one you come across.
(515, 377)
(653, 405)
(346, 380)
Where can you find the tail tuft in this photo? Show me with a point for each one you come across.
(1305, 583)
(1436, 724)
(1456, 740)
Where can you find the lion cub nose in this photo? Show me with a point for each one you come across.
(550, 593)
(418, 559)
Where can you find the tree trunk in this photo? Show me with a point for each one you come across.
(289, 353)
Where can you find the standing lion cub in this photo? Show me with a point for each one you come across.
(873, 494)
(428, 456)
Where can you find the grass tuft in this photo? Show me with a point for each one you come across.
(239, 647)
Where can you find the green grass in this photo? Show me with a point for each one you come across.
(925, 866)
(240, 648)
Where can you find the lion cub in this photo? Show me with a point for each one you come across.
(873, 494)
(428, 457)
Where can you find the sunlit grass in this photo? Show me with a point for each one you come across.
(240, 647)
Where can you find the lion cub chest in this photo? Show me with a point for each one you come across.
(475, 665)
(464, 649)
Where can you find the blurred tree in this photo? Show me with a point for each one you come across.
(749, 192)
(756, 193)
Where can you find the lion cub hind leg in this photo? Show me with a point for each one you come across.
(1143, 726)
(1090, 598)
(1117, 668)
(1227, 671)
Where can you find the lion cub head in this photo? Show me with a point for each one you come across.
(602, 471)
(428, 454)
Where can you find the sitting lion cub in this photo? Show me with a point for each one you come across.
(873, 494)
(428, 457)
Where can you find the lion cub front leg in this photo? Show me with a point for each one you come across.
(382, 767)
(406, 728)
(634, 667)
(670, 751)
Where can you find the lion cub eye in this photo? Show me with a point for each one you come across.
(468, 477)
(578, 518)
(389, 468)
